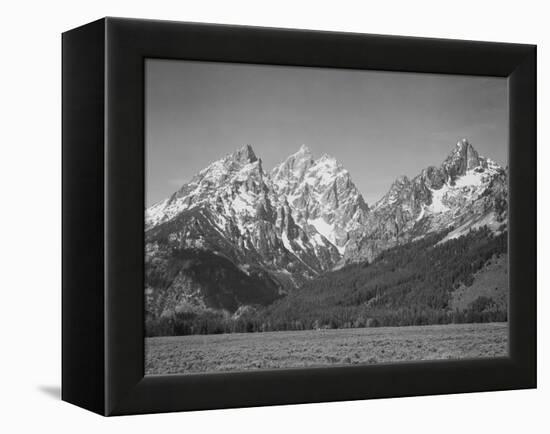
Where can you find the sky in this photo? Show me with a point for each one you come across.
(379, 125)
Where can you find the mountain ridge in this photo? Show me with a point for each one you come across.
(306, 216)
(466, 191)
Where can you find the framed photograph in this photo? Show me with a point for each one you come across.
(257, 216)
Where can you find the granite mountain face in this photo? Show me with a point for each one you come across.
(237, 236)
(321, 195)
(467, 191)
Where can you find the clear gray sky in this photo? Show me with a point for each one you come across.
(379, 125)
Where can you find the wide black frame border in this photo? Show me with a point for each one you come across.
(126, 43)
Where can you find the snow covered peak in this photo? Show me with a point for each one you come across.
(491, 164)
(245, 154)
(302, 155)
(466, 187)
(400, 180)
(325, 170)
(463, 147)
(235, 208)
(321, 195)
(463, 143)
(466, 191)
(238, 176)
(301, 168)
(220, 170)
(304, 149)
(292, 170)
(462, 158)
(327, 159)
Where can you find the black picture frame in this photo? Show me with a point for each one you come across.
(103, 215)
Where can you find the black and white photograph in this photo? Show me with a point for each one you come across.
(286, 217)
(310, 217)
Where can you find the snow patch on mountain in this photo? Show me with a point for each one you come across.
(438, 206)
(327, 231)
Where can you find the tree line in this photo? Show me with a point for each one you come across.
(411, 284)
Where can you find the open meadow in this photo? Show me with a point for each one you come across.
(310, 348)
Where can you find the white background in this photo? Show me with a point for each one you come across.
(30, 240)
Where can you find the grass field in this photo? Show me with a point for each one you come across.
(295, 349)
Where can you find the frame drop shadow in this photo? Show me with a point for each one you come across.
(51, 391)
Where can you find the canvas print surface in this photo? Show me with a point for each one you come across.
(308, 217)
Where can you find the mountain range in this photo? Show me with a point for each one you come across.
(238, 235)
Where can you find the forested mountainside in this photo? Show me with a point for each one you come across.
(412, 284)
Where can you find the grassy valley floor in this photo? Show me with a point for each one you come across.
(315, 348)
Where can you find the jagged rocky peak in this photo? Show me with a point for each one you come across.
(247, 217)
(304, 150)
(292, 170)
(219, 170)
(244, 154)
(401, 184)
(401, 181)
(302, 164)
(465, 191)
(321, 195)
(240, 166)
(232, 182)
(462, 158)
(433, 177)
(327, 168)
